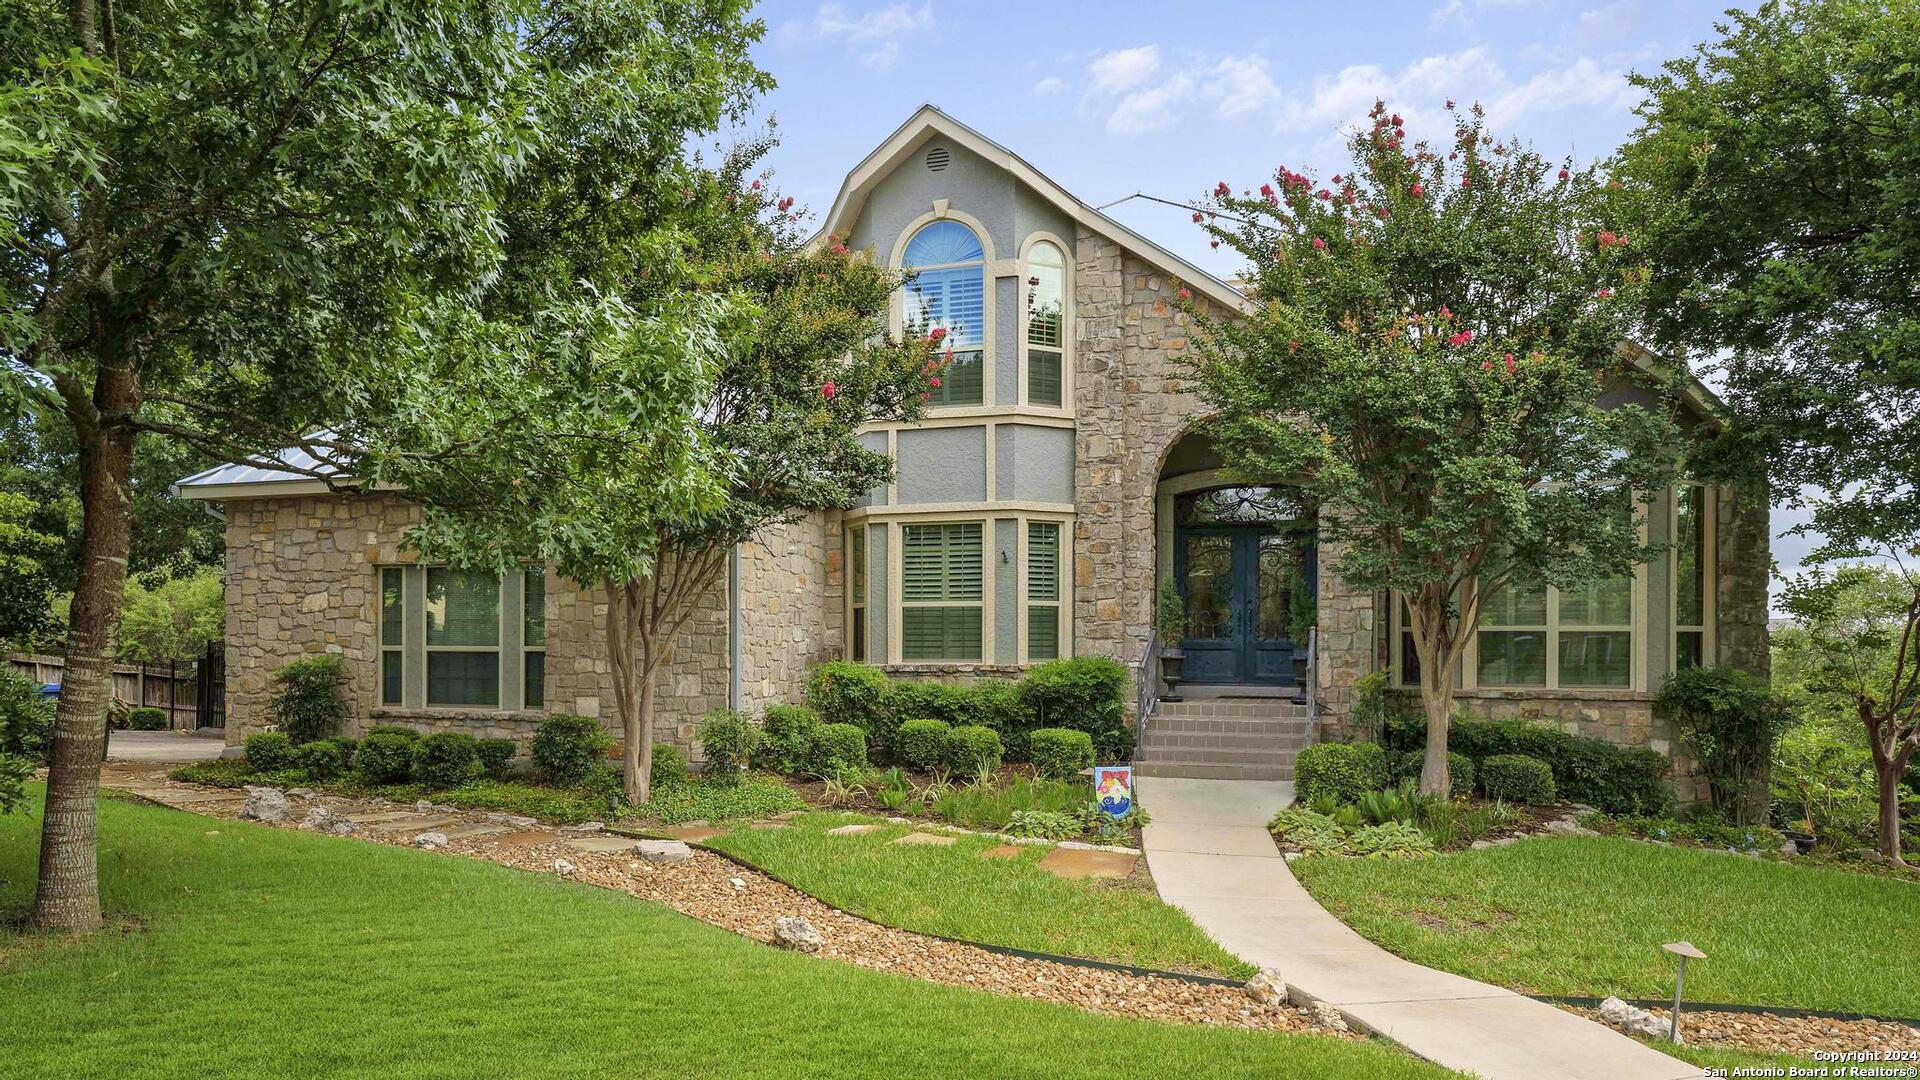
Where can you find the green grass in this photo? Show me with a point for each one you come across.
(260, 952)
(1587, 917)
(695, 799)
(953, 892)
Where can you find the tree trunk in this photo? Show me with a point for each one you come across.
(68, 895)
(640, 748)
(1436, 776)
(1888, 770)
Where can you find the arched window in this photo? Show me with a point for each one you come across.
(948, 289)
(1046, 320)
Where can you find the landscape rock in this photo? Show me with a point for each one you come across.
(1328, 1016)
(1632, 1019)
(663, 851)
(324, 820)
(1479, 844)
(1788, 847)
(430, 839)
(1267, 988)
(266, 804)
(301, 793)
(797, 933)
(584, 827)
(423, 806)
(564, 868)
(1569, 827)
(738, 883)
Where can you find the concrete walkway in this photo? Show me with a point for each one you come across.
(1210, 854)
(165, 746)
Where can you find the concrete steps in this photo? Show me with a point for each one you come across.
(1238, 738)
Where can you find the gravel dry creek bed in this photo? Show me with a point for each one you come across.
(1773, 1033)
(725, 894)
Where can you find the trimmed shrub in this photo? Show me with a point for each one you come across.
(401, 730)
(567, 747)
(386, 757)
(26, 718)
(310, 697)
(1059, 753)
(1340, 771)
(727, 739)
(786, 742)
(973, 750)
(669, 765)
(1617, 779)
(922, 743)
(1001, 704)
(148, 718)
(1406, 765)
(1085, 693)
(1517, 778)
(269, 751)
(348, 749)
(496, 755)
(837, 748)
(1729, 721)
(446, 759)
(842, 692)
(321, 759)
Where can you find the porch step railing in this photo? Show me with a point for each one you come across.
(1312, 689)
(1147, 690)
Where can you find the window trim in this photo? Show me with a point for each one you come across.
(1063, 575)
(511, 651)
(397, 648)
(498, 648)
(1709, 574)
(1021, 344)
(990, 272)
(897, 599)
(858, 650)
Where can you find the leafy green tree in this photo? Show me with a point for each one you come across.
(26, 573)
(1430, 332)
(644, 463)
(1772, 178)
(233, 227)
(174, 620)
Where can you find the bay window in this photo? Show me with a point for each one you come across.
(942, 590)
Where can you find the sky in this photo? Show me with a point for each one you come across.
(1169, 99)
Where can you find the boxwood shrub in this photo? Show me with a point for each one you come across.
(401, 730)
(1617, 779)
(974, 750)
(386, 757)
(148, 718)
(309, 699)
(842, 692)
(1059, 753)
(669, 765)
(1406, 765)
(728, 740)
(786, 743)
(566, 747)
(922, 743)
(1085, 693)
(446, 759)
(270, 751)
(1517, 778)
(496, 755)
(321, 759)
(1343, 771)
(838, 748)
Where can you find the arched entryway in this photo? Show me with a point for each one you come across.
(1243, 557)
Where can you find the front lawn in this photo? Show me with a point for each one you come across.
(952, 891)
(1587, 916)
(242, 951)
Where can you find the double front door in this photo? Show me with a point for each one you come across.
(1238, 583)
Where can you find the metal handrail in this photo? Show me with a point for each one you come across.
(1312, 689)
(1147, 690)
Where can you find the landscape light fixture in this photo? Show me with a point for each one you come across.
(1685, 951)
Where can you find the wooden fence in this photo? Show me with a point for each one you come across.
(176, 688)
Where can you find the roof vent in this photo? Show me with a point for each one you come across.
(937, 159)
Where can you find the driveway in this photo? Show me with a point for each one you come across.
(165, 746)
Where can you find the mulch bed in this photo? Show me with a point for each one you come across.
(1772, 1033)
(725, 894)
(815, 794)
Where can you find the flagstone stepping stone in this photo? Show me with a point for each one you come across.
(478, 828)
(529, 838)
(602, 845)
(663, 851)
(694, 834)
(854, 830)
(788, 815)
(379, 817)
(764, 825)
(1002, 851)
(411, 823)
(923, 838)
(1080, 863)
(192, 798)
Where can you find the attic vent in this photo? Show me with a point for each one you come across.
(937, 159)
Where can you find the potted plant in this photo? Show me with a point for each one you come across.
(1169, 629)
(1303, 614)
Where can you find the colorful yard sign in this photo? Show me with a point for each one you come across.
(1113, 789)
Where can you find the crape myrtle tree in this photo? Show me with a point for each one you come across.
(588, 460)
(1773, 181)
(229, 225)
(1427, 335)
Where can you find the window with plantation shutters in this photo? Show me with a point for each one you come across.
(857, 592)
(1043, 590)
(948, 291)
(1046, 323)
(943, 571)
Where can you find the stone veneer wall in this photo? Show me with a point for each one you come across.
(793, 612)
(301, 579)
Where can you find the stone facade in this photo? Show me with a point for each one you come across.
(791, 613)
(302, 578)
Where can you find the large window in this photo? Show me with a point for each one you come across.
(1046, 324)
(943, 568)
(1692, 575)
(948, 290)
(455, 640)
(857, 592)
(1043, 590)
(1531, 636)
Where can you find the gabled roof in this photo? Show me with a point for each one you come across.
(929, 122)
(256, 480)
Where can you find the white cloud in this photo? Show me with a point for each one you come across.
(1418, 90)
(875, 35)
(1243, 85)
(1464, 11)
(1049, 86)
(1613, 21)
(1124, 69)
